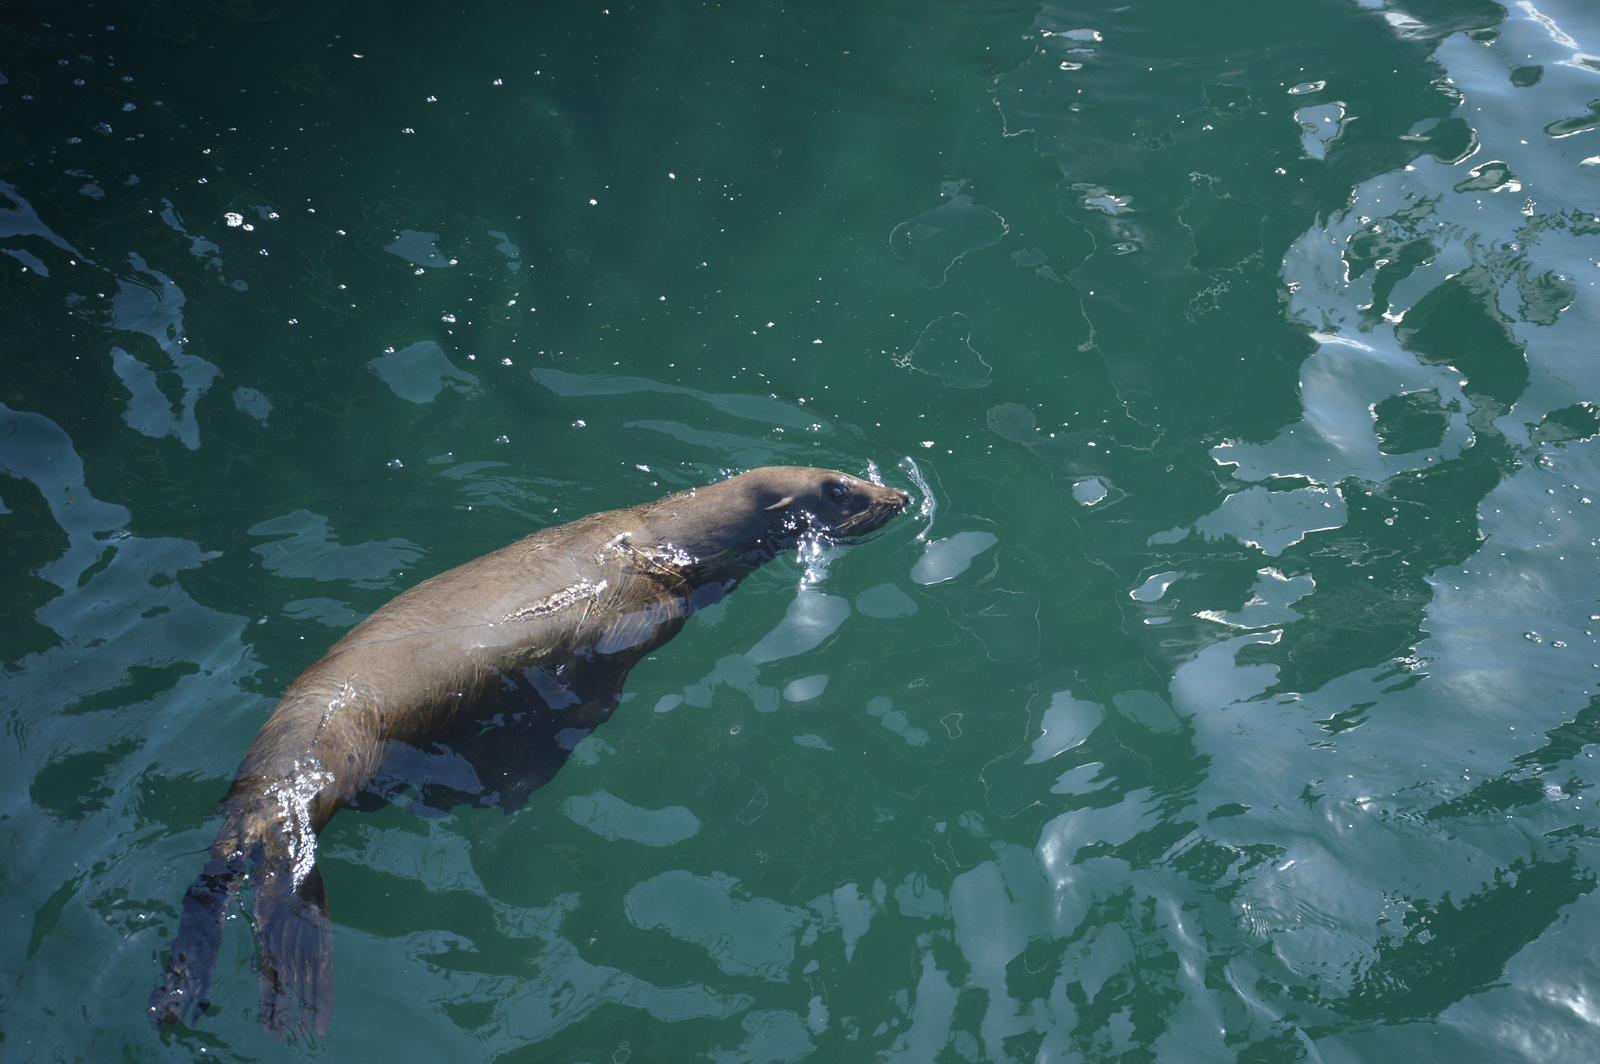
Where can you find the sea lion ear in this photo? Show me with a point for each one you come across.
(782, 504)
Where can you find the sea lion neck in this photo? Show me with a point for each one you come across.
(720, 525)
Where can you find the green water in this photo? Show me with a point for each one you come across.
(1232, 696)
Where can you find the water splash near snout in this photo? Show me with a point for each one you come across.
(928, 505)
(813, 552)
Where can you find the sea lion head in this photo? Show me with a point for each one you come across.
(826, 502)
(769, 508)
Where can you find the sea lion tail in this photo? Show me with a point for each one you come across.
(185, 991)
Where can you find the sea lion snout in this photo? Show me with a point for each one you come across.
(878, 503)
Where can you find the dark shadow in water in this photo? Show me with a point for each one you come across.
(1450, 951)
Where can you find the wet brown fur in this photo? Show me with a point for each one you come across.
(541, 633)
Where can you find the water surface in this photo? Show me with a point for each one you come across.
(1232, 698)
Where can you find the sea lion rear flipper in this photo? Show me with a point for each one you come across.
(647, 622)
(296, 941)
(185, 992)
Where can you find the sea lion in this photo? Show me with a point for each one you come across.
(474, 685)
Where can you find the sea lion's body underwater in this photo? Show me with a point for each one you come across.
(474, 686)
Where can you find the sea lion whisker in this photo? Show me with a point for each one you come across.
(852, 541)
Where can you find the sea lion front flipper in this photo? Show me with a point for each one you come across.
(645, 625)
(296, 941)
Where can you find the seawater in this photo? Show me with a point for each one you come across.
(1232, 696)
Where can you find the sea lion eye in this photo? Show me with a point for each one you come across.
(836, 492)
